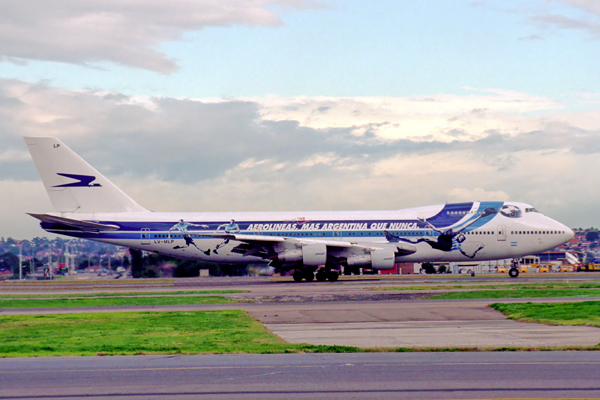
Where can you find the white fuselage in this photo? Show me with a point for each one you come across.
(442, 233)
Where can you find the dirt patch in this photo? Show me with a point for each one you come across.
(338, 297)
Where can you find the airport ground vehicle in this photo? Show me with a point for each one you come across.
(589, 267)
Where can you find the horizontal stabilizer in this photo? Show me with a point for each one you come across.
(85, 226)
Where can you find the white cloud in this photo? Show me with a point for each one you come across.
(87, 32)
(14, 155)
(589, 5)
(584, 16)
(272, 154)
(440, 117)
(18, 198)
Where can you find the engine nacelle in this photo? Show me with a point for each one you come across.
(362, 260)
(290, 256)
(314, 255)
(311, 255)
(377, 259)
(383, 259)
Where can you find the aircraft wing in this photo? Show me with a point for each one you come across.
(69, 223)
(262, 244)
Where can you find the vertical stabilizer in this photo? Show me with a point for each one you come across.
(72, 184)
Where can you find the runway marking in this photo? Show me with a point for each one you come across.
(291, 392)
(296, 366)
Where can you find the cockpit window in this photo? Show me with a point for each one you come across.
(528, 210)
(510, 211)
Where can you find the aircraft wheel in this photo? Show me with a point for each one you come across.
(298, 276)
(309, 276)
(513, 272)
(333, 276)
(321, 276)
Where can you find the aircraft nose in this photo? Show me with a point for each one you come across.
(570, 233)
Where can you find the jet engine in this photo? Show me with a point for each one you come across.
(311, 255)
(376, 259)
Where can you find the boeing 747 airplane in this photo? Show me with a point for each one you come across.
(315, 244)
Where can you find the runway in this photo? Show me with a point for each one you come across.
(306, 376)
(334, 314)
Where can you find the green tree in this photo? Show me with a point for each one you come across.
(592, 236)
(11, 262)
(428, 268)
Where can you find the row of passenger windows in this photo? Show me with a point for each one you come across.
(403, 233)
(173, 236)
(537, 232)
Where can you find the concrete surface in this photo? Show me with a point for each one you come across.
(415, 324)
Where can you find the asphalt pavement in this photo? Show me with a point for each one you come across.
(453, 375)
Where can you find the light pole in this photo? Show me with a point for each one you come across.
(20, 262)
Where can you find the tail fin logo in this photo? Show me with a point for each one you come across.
(82, 181)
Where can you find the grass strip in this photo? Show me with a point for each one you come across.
(507, 286)
(193, 332)
(515, 294)
(581, 313)
(227, 331)
(112, 282)
(115, 301)
(123, 294)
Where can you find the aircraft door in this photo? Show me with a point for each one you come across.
(501, 233)
(337, 235)
(145, 236)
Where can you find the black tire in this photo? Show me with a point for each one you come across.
(298, 276)
(513, 272)
(321, 276)
(309, 276)
(333, 276)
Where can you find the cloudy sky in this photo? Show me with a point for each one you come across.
(216, 105)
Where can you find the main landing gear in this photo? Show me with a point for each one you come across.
(513, 272)
(322, 275)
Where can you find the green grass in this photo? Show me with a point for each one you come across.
(516, 294)
(228, 331)
(511, 290)
(209, 332)
(114, 301)
(579, 313)
(119, 294)
(507, 286)
(92, 282)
